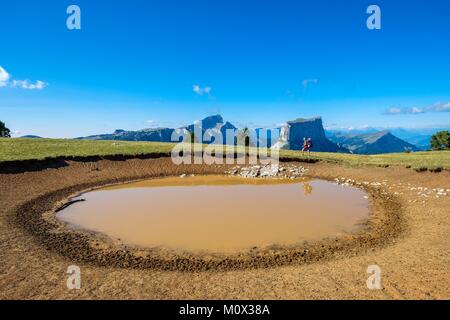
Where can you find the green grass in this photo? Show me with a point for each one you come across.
(26, 149)
(416, 160)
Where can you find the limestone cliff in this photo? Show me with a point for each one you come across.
(293, 132)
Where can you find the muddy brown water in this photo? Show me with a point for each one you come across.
(220, 213)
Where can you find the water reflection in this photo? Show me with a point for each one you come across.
(219, 213)
(307, 188)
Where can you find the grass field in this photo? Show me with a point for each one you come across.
(27, 149)
(417, 160)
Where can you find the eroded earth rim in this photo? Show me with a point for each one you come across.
(37, 216)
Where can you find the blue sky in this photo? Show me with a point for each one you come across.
(137, 64)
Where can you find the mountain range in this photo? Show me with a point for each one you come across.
(290, 136)
(373, 143)
(209, 125)
(419, 137)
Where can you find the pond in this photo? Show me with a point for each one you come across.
(220, 213)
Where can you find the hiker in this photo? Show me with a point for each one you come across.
(305, 145)
(309, 144)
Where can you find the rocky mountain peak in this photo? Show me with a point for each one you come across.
(293, 132)
(212, 121)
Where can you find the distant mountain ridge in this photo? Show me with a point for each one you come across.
(373, 143)
(212, 123)
(155, 135)
(290, 136)
(419, 137)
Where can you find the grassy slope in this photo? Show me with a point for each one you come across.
(23, 149)
(426, 160)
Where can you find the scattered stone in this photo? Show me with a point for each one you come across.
(290, 171)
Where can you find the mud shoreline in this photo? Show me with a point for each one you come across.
(30, 231)
(37, 216)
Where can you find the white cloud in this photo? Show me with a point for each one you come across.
(201, 91)
(417, 110)
(307, 82)
(24, 84)
(162, 124)
(437, 107)
(4, 77)
(393, 110)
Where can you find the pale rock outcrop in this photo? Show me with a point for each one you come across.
(293, 132)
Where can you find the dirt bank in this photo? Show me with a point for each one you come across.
(37, 249)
